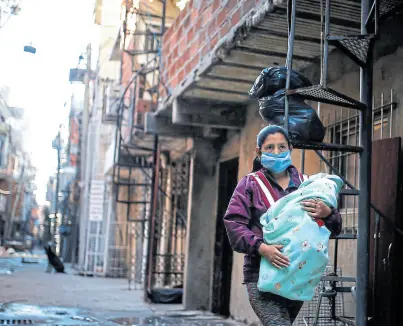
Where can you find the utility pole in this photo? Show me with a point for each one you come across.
(57, 146)
(83, 162)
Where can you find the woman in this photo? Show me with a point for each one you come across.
(245, 232)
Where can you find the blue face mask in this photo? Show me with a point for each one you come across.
(276, 163)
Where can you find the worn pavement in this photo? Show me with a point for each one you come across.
(28, 295)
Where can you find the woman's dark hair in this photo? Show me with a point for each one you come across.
(256, 164)
(261, 137)
(271, 130)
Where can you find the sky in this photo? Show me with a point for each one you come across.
(60, 30)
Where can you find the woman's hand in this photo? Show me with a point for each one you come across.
(274, 255)
(316, 208)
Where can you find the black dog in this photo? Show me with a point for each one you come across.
(54, 260)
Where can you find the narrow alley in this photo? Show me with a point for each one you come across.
(29, 295)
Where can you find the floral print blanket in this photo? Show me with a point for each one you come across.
(305, 241)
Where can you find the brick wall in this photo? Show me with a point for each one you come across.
(195, 32)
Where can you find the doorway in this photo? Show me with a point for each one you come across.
(222, 249)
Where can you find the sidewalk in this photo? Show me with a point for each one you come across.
(105, 298)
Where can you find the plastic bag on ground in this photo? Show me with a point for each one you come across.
(303, 121)
(273, 79)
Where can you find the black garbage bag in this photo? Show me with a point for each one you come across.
(303, 122)
(273, 79)
(54, 260)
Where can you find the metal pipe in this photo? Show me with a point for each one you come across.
(355, 168)
(303, 161)
(347, 162)
(152, 220)
(290, 51)
(326, 43)
(334, 170)
(373, 118)
(366, 79)
(376, 254)
(391, 114)
(382, 100)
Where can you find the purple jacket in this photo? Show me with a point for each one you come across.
(242, 219)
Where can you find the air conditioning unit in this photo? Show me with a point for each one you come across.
(112, 94)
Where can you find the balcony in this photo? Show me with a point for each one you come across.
(212, 54)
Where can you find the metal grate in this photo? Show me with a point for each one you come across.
(325, 312)
(325, 146)
(355, 47)
(322, 94)
(388, 6)
(17, 322)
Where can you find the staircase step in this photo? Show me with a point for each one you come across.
(354, 46)
(345, 236)
(349, 192)
(321, 94)
(347, 279)
(346, 320)
(149, 70)
(153, 89)
(141, 52)
(325, 146)
(386, 8)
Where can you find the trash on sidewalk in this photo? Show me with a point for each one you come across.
(54, 260)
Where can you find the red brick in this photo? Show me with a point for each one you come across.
(212, 26)
(181, 74)
(174, 53)
(216, 5)
(222, 14)
(187, 69)
(182, 46)
(202, 38)
(186, 22)
(193, 49)
(236, 17)
(199, 23)
(206, 16)
(193, 16)
(247, 6)
(168, 34)
(225, 28)
(191, 33)
(231, 4)
(195, 61)
(214, 40)
(206, 49)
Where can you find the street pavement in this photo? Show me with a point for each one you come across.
(28, 295)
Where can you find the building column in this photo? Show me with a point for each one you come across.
(200, 226)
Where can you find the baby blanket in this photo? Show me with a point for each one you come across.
(305, 241)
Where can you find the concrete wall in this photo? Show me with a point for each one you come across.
(201, 226)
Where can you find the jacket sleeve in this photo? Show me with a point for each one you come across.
(334, 222)
(238, 217)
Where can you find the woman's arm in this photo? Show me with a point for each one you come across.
(237, 220)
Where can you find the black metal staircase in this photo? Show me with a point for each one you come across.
(359, 48)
